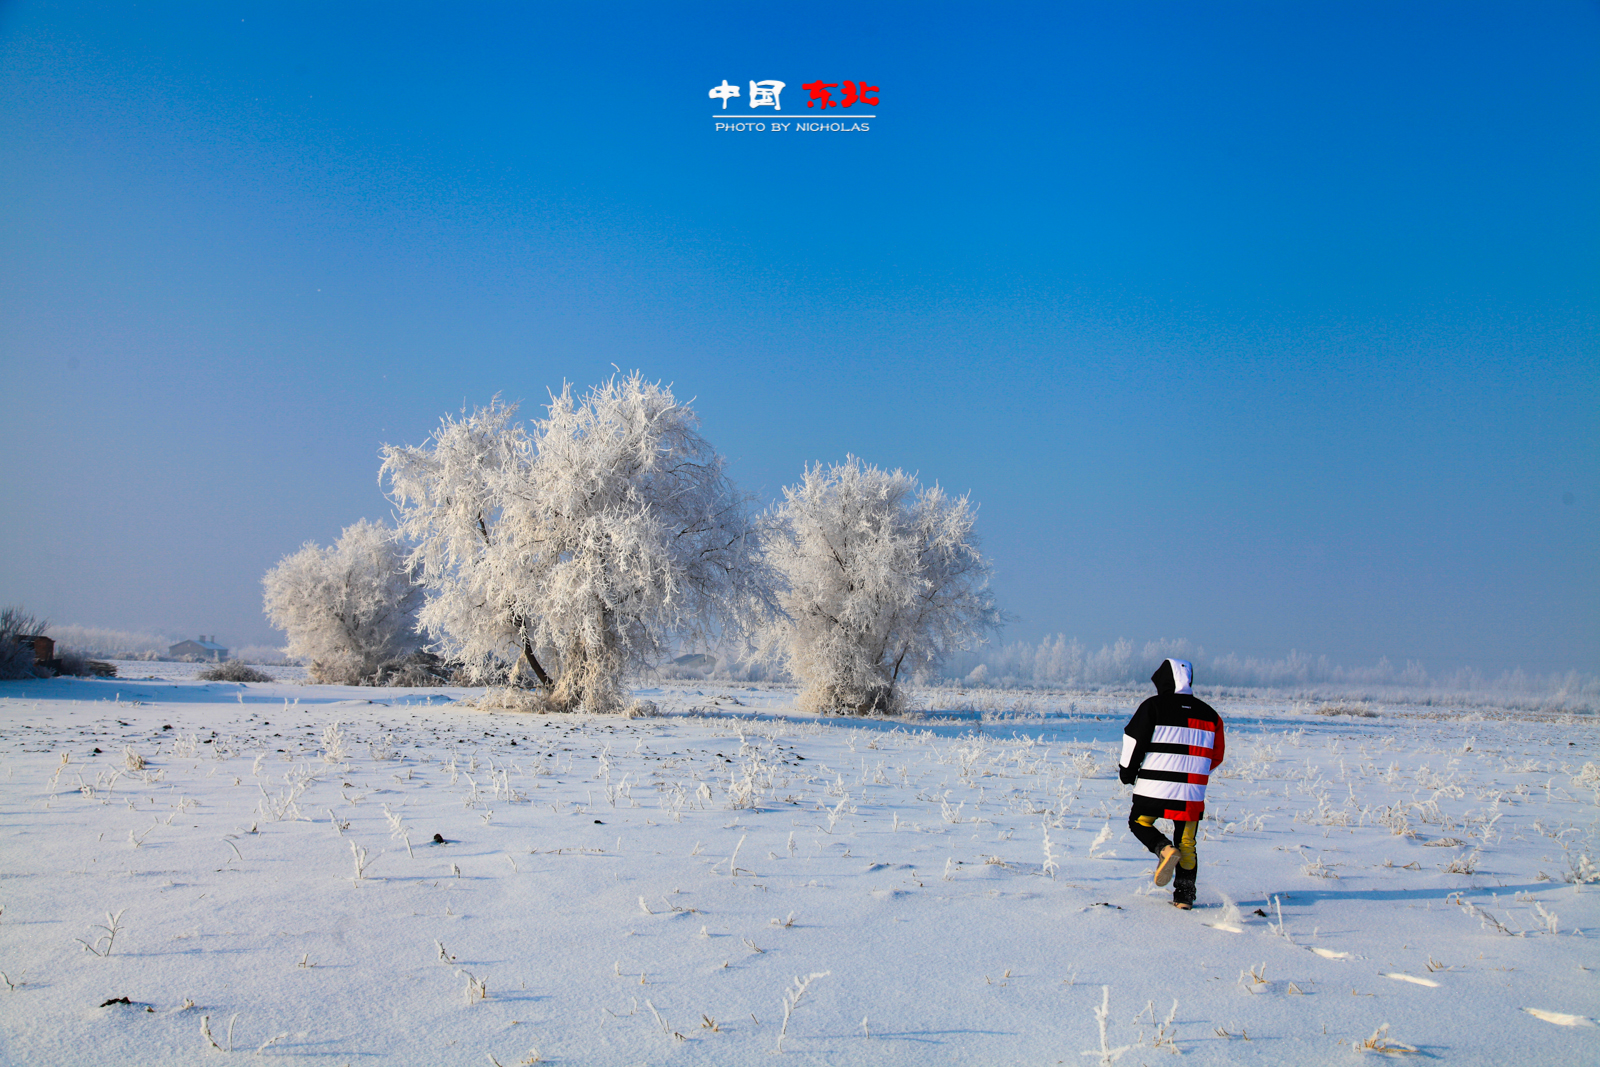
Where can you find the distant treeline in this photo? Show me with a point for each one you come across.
(1059, 661)
(105, 643)
(1066, 663)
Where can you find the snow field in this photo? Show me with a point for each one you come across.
(733, 878)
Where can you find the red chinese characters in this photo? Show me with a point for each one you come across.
(819, 91)
(854, 92)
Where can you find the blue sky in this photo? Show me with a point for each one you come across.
(1269, 326)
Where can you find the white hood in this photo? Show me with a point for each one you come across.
(1182, 672)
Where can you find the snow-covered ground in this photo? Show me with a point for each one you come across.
(627, 891)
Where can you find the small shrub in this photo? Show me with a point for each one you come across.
(334, 672)
(413, 670)
(1354, 711)
(79, 665)
(233, 671)
(416, 670)
(507, 698)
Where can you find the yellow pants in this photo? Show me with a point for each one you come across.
(1185, 839)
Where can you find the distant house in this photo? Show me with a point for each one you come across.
(199, 649)
(44, 648)
(44, 658)
(692, 665)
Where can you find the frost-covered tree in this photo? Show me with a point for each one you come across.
(347, 609)
(578, 545)
(879, 578)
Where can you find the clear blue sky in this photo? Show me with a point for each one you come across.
(1270, 326)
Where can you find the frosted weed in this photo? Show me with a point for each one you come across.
(112, 927)
(1101, 838)
(791, 1001)
(1278, 927)
(665, 1029)
(1379, 1042)
(838, 811)
(1050, 866)
(1165, 1035)
(205, 1032)
(1316, 868)
(362, 861)
(1107, 1054)
(335, 745)
(1485, 919)
(269, 1042)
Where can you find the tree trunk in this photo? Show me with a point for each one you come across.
(895, 677)
(533, 661)
(545, 681)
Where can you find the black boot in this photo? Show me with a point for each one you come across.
(1183, 887)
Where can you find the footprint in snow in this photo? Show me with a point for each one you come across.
(1413, 979)
(1559, 1018)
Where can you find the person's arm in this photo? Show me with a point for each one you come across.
(1135, 739)
(1217, 746)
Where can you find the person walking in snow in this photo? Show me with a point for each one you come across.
(1169, 749)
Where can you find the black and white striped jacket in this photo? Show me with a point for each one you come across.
(1170, 747)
